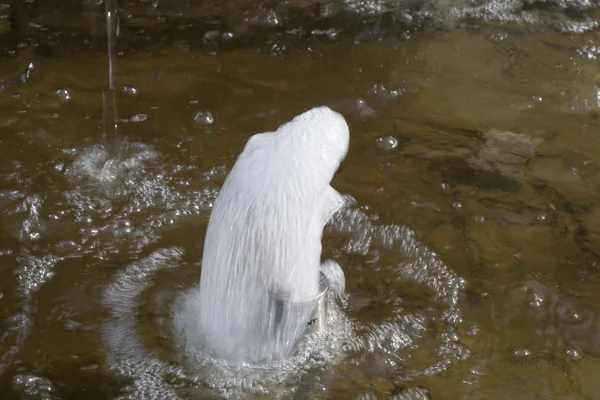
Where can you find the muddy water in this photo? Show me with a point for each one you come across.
(471, 252)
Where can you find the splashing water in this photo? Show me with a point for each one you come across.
(264, 239)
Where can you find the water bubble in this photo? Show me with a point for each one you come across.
(130, 89)
(574, 353)
(480, 219)
(277, 49)
(522, 352)
(457, 205)
(1, 294)
(138, 118)
(211, 37)
(445, 186)
(384, 93)
(387, 142)
(272, 18)
(540, 217)
(204, 118)
(206, 206)
(64, 94)
(573, 316)
(31, 386)
(537, 301)
(473, 330)
(227, 36)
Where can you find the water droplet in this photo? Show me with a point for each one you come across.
(272, 18)
(537, 301)
(445, 186)
(522, 353)
(210, 37)
(473, 330)
(130, 89)
(387, 142)
(457, 205)
(64, 94)
(204, 118)
(227, 36)
(480, 219)
(573, 316)
(138, 118)
(574, 353)
(1, 294)
(540, 217)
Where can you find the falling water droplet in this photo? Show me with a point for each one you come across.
(204, 118)
(64, 94)
(387, 142)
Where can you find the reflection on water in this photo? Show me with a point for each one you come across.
(470, 250)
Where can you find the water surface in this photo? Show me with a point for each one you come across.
(471, 252)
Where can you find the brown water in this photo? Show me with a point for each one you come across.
(476, 129)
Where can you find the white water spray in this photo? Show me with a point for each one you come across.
(264, 240)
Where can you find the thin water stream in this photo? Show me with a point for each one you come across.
(469, 248)
(110, 106)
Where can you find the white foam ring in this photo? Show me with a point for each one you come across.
(125, 353)
(33, 273)
(423, 267)
(107, 194)
(128, 356)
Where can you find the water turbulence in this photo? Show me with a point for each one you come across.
(260, 267)
(243, 329)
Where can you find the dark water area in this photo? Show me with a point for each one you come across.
(471, 251)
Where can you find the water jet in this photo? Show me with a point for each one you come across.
(261, 287)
